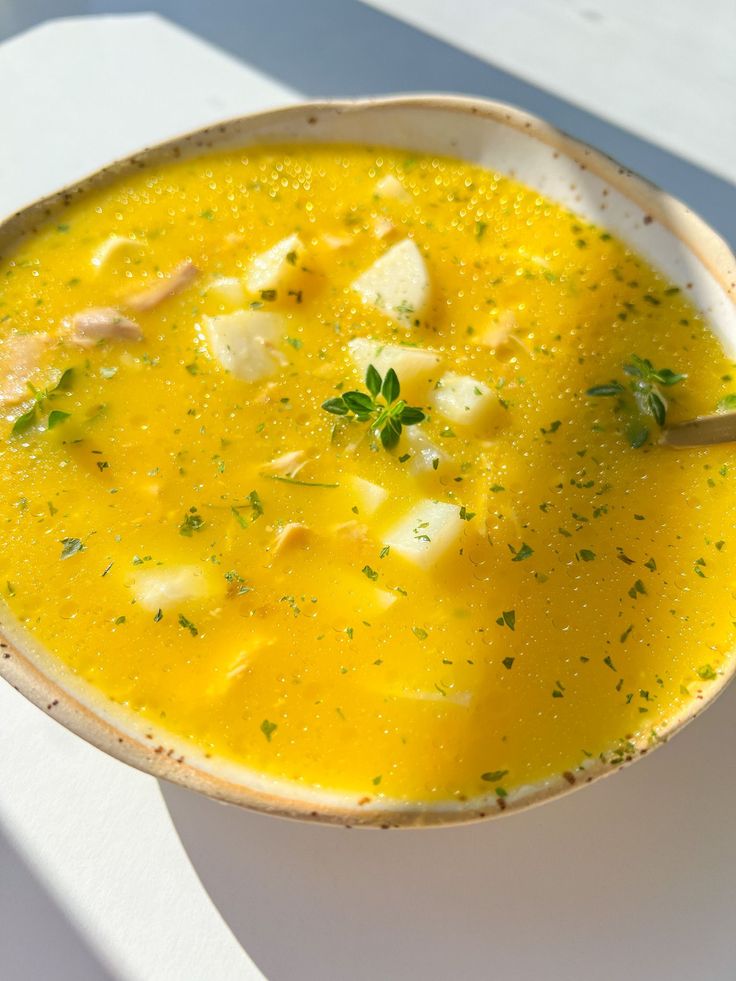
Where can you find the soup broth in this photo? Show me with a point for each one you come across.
(200, 517)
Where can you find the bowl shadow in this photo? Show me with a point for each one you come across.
(635, 877)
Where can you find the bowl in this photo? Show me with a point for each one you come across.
(498, 137)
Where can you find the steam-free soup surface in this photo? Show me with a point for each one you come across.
(525, 582)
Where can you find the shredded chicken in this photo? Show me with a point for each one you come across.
(500, 333)
(111, 248)
(383, 227)
(102, 323)
(20, 356)
(287, 465)
(336, 242)
(184, 274)
(293, 535)
(353, 531)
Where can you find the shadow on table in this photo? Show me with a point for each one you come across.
(602, 875)
(60, 952)
(328, 48)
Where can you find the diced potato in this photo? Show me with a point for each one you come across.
(114, 247)
(465, 401)
(417, 368)
(426, 533)
(21, 356)
(227, 289)
(244, 342)
(397, 284)
(391, 187)
(370, 496)
(160, 589)
(426, 456)
(275, 268)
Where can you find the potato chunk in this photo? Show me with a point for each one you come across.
(426, 533)
(417, 368)
(391, 187)
(397, 284)
(20, 362)
(275, 268)
(426, 456)
(244, 343)
(160, 589)
(465, 401)
(369, 496)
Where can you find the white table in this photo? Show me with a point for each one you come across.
(106, 873)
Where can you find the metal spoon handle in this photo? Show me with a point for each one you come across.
(703, 431)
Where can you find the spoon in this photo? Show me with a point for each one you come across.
(702, 431)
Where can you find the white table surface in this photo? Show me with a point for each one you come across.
(104, 873)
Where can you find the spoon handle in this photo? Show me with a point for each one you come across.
(702, 431)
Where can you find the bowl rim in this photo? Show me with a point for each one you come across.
(24, 668)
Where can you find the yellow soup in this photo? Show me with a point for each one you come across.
(519, 581)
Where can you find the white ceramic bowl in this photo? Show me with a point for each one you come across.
(499, 138)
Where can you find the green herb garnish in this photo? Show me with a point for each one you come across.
(71, 546)
(299, 483)
(192, 522)
(523, 553)
(645, 385)
(188, 625)
(40, 396)
(268, 729)
(493, 776)
(386, 417)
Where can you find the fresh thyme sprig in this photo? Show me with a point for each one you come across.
(386, 417)
(645, 387)
(40, 398)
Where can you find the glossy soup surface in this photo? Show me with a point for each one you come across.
(185, 526)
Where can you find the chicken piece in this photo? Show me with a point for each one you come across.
(500, 332)
(383, 227)
(354, 532)
(20, 356)
(111, 249)
(337, 242)
(101, 324)
(287, 465)
(180, 277)
(293, 535)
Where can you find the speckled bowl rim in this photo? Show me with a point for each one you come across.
(84, 711)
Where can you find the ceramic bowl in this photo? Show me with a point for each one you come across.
(499, 138)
